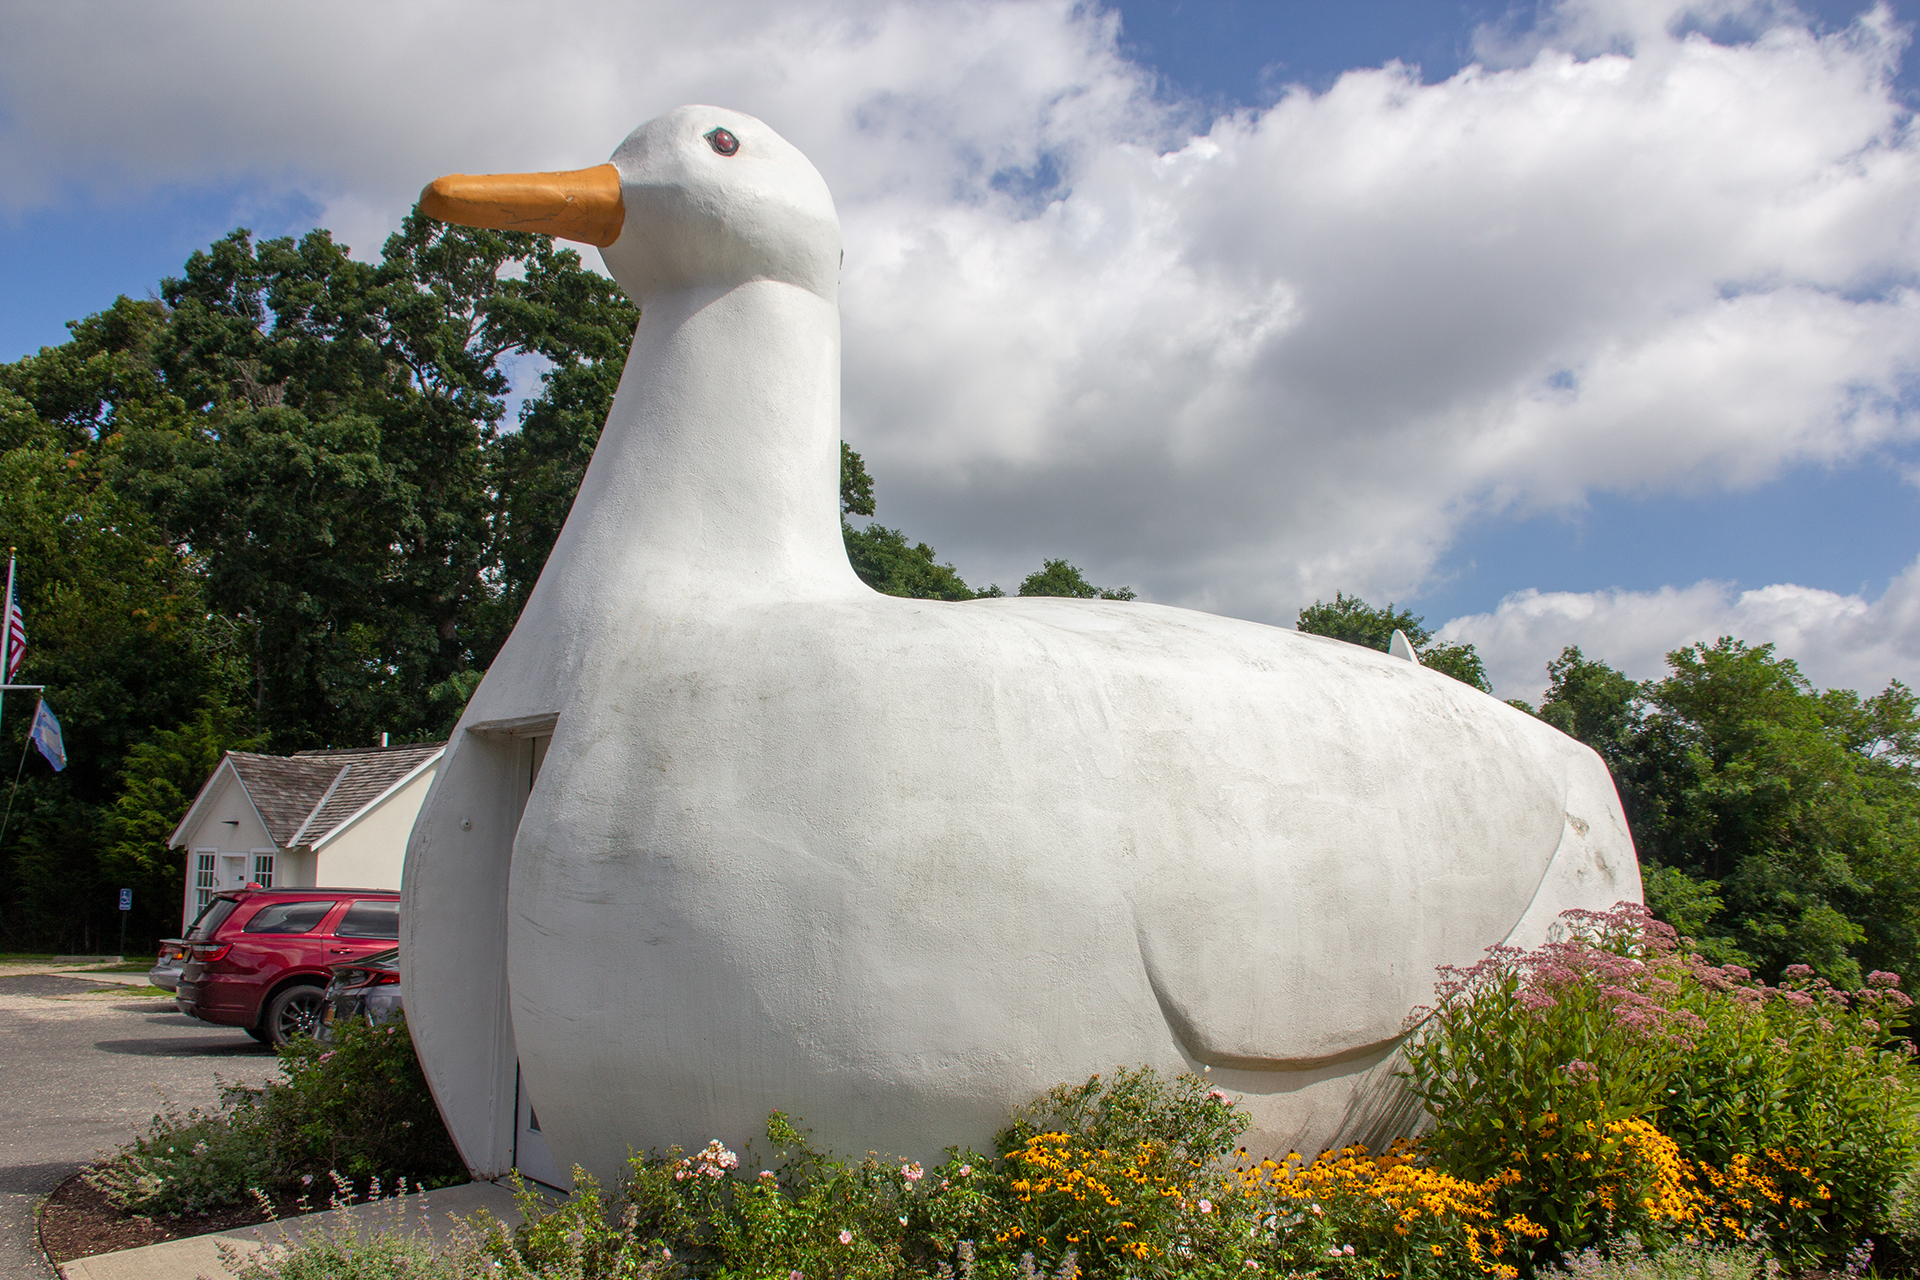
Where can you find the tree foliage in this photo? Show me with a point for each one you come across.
(1352, 619)
(1776, 824)
(882, 557)
(1058, 578)
(276, 505)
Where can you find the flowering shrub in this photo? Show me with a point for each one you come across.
(186, 1162)
(809, 1216)
(1798, 1103)
(1128, 1175)
(1626, 1258)
(1123, 1172)
(1633, 1089)
(1390, 1214)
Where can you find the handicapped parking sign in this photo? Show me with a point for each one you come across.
(126, 899)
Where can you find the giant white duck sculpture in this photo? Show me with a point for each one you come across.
(895, 866)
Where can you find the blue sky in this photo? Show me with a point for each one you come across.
(1559, 512)
(1847, 529)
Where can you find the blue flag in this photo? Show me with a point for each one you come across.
(46, 736)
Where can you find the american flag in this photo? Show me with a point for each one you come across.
(16, 631)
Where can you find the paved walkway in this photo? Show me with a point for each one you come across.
(83, 1066)
(199, 1257)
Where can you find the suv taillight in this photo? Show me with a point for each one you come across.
(210, 952)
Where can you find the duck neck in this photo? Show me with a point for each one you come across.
(718, 469)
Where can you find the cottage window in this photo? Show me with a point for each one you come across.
(263, 870)
(203, 877)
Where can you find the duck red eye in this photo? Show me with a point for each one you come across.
(722, 141)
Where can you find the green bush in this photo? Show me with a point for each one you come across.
(348, 1113)
(357, 1106)
(188, 1162)
(1628, 1259)
(1806, 1087)
(1124, 1173)
(1536, 1062)
(1634, 1089)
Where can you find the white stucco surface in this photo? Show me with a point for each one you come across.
(897, 866)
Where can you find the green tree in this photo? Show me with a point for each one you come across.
(1775, 824)
(1058, 578)
(1352, 619)
(340, 466)
(279, 496)
(118, 628)
(158, 781)
(856, 486)
(882, 557)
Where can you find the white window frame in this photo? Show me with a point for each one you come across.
(206, 878)
(263, 862)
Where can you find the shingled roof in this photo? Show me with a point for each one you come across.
(305, 798)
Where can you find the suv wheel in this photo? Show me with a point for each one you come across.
(293, 1013)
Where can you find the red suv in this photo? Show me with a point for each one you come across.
(258, 958)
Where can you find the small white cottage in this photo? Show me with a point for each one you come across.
(317, 817)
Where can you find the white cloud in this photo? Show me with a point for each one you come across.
(1839, 641)
(1237, 362)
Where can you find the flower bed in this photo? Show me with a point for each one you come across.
(1606, 1104)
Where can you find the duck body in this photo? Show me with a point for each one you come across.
(895, 867)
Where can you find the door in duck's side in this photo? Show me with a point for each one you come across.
(530, 1154)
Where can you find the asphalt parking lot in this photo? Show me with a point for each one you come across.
(85, 1067)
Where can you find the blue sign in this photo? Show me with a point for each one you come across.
(126, 899)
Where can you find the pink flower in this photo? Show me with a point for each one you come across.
(1252, 1265)
(1218, 1095)
(912, 1172)
(306, 1179)
(966, 1170)
(766, 1173)
(1318, 1211)
(846, 1237)
(1348, 1250)
(1206, 1206)
(796, 1275)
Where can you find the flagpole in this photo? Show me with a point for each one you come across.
(6, 626)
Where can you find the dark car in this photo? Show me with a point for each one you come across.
(260, 959)
(365, 988)
(166, 970)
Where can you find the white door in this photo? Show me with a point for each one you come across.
(530, 1153)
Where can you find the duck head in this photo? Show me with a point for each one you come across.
(700, 198)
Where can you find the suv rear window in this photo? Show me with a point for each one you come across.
(370, 920)
(288, 917)
(211, 917)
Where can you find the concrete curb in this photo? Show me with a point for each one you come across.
(198, 1257)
